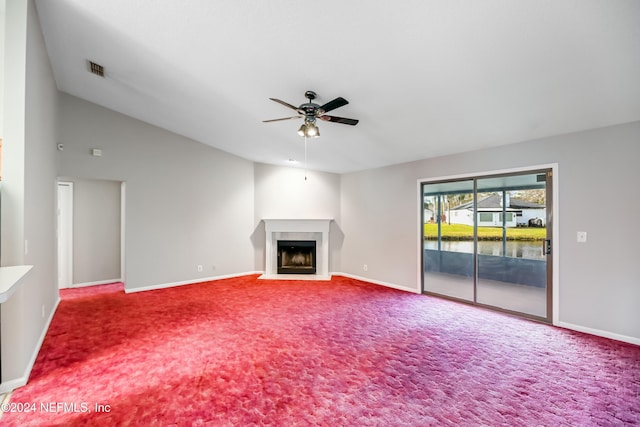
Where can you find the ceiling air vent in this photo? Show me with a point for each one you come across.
(96, 69)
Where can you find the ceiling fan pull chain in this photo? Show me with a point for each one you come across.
(305, 158)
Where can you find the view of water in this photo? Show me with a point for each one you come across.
(515, 249)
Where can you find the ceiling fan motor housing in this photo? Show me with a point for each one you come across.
(309, 108)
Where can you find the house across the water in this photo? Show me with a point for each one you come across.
(518, 212)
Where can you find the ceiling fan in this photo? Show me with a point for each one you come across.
(311, 111)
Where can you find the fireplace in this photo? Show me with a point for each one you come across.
(296, 256)
(297, 230)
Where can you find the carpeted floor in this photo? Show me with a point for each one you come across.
(243, 352)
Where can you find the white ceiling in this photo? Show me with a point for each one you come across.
(424, 77)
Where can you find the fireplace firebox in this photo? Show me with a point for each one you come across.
(296, 257)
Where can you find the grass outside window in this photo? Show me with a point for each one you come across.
(465, 232)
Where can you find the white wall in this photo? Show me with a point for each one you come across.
(187, 204)
(2, 28)
(599, 281)
(29, 190)
(380, 225)
(284, 193)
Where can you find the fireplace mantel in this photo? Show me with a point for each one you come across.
(297, 229)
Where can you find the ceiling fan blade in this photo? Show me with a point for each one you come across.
(284, 118)
(332, 105)
(286, 104)
(342, 120)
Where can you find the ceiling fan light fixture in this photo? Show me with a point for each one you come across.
(312, 130)
(309, 130)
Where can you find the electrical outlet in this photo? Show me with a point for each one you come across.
(365, 267)
(582, 237)
(199, 269)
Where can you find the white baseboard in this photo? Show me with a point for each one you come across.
(100, 282)
(376, 282)
(228, 276)
(188, 282)
(9, 386)
(600, 333)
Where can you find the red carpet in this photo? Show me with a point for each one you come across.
(243, 352)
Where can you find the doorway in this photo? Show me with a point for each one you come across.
(486, 240)
(91, 215)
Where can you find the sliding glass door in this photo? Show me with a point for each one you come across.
(448, 239)
(487, 241)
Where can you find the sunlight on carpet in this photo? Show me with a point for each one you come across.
(242, 351)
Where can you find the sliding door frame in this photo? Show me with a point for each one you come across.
(553, 282)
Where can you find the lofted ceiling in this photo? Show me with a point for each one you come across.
(425, 77)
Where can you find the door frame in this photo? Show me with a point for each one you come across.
(65, 234)
(554, 285)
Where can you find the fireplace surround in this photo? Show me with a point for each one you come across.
(316, 230)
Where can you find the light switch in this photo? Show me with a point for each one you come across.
(582, 237)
